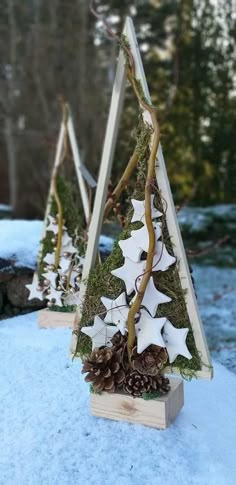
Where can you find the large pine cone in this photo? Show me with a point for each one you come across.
(150, 361)
(119, 342)
(137, 384)
(104, 369)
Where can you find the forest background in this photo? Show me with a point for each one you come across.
(58, 49)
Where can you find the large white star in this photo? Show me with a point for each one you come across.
(56, 296)
(152, 297)
(141, 236)
(130, 250)
(117, 311)
(139, 210)
(148, 331)
(129, 272)
(100, 333)
(162, 259)
(175, 341)
(51, 276)
(34, 292)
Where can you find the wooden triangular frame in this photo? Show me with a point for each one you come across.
(164, 187)
(67, 126)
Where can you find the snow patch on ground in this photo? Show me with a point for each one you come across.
(49, 438)
(20, 240)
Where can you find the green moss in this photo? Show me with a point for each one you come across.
(147, 396)
(102, 283)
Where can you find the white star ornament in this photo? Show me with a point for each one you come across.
(55, 295)
(148, 331)
(130, 249)
(152, 297)
(139, 210)
(34, 292)
(49, 258)
(162, 259)
(100, 333)
(117, 311)
(141, 236)
(175, 341)
(129, 272)
(51, 276)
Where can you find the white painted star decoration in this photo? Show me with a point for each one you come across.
(149, 329)
(60, 287)
(100, 333)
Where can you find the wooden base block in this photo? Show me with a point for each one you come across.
(157, 413)
(50, 319)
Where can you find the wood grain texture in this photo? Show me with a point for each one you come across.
(50, 319)
(156, 413)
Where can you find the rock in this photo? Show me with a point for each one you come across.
(17, 293)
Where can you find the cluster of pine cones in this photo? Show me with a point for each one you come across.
(108, 369)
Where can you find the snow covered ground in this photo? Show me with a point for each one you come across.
(47, 436)
(19, 241)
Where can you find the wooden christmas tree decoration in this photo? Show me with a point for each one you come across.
(60, 258)
(139, 317)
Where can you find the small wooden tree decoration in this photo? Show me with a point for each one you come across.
(139, 318)
(60, 258)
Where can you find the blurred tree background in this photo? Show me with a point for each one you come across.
(57, 48)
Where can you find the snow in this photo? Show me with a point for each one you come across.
(49, 438)
(19, 241)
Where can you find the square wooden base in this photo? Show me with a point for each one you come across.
(50, 319)
(157, 413)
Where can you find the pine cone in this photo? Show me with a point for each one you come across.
(150, 361)
(161, 384)
(104, 369)
(136, 384)
(119, 340)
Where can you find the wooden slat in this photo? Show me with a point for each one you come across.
(78, 167)
(157, 413)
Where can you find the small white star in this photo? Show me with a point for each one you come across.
(148, 331)
(66, 244)
(56, 296)
(100, 333)
(139, 210)
(64, 264)
(130, 250)
(175, 341)
(162, 259)
(72, 299)
(152, 297)
(129, 272)
(34, 292)
(52, 226)
(49, 258)
(51, 276)
(117, 311)
(141, 236)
